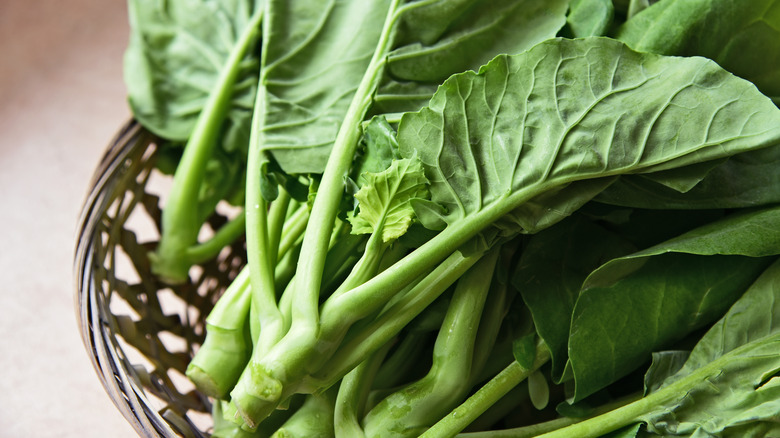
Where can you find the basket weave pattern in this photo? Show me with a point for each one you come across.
(140, 332)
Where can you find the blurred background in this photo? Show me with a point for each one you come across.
(61, 101)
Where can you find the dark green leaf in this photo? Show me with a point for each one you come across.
(744, 39)
(626, 432)
(550, 273)
(524, 350)
(749, 179)
(665, 364)
(636, 304)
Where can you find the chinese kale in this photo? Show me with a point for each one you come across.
(493, 218)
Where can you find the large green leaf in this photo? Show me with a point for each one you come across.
(446, 37)
(449, 37)
(316, 53)
(528, 123)
(176, 52)
(743, 38)
(590, 17)
(634, 305)
(729, 386)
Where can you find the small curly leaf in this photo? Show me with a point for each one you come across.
(385, 199)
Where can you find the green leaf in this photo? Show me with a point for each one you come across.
(748, 179)
(315, 54)
(379, 147)
(446, 37)
(551, 270)
(637, 6)
(634, 305)
(384, 200)
(626, 432)
(742, 39)
(590, 17)
(524, 350)
(730, 378)
(334, 41)
(526, 124)
(664, 364)
(551, 207)
(753, 233)
(683, 179)
(729, 385)
(173, 60)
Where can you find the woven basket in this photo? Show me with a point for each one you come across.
(140, 332)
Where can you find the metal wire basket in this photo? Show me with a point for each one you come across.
(140, 332)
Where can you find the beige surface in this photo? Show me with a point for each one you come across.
(61, 99)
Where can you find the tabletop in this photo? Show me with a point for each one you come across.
(62, 101)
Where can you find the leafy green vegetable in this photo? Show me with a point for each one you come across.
(744, 40)
(174, 58)
(162, 41)
(538, 128)
(739, 353)
(458, 220)
(385, 200)
(639, 303)
(550, 273)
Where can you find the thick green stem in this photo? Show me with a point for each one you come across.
(536, 430)
(366, 267)
(217, 365)
(293, 230)
(486, 396)
(367, 298)
(180, 218)
(427, 399)
(287, 358)
(313, 419)
(394, 319)
(258, 243)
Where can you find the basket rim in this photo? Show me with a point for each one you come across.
(96, 334)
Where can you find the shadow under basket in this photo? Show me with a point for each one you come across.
(140, 332)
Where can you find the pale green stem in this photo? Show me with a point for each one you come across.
(353, 394)
(635, 411)
(325, 207)
(226, 235)
(293, 230)
(259, 252)
(276, 222)
(486, 396)
(180, 219)
(390, 322)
